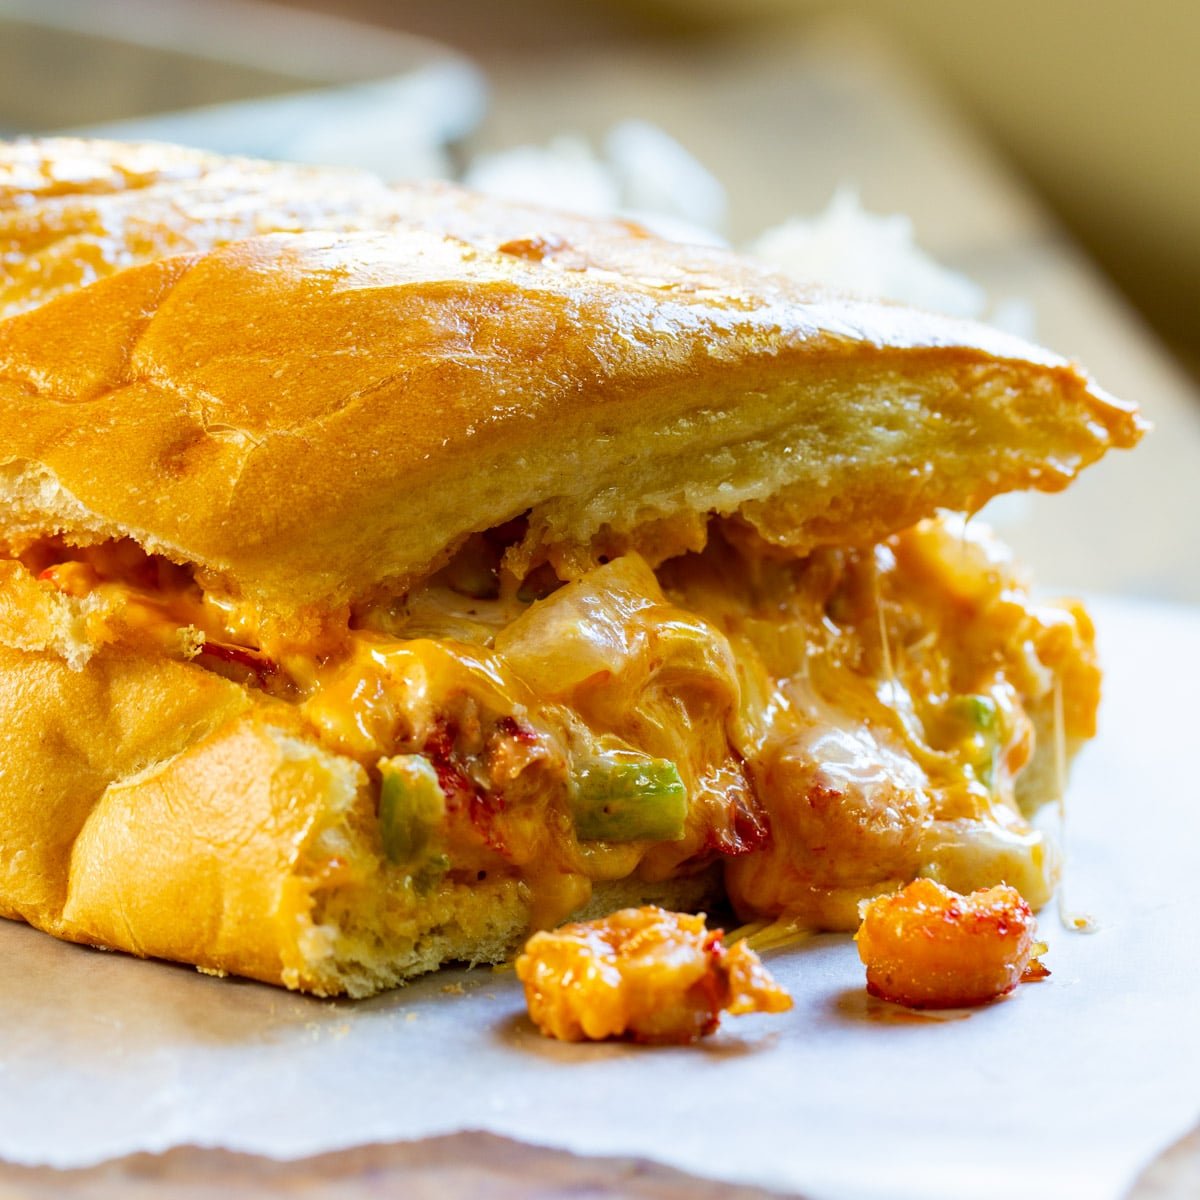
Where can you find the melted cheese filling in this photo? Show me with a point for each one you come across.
(841, 723)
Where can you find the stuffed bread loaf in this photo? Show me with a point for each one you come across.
(385, 571)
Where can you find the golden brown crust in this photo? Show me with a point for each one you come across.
(201, 858)
(312, 416)
(74, 211)
(150, 806)
(65, 736)
(39, 168)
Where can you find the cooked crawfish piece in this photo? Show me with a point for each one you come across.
(645, 974)
(929, 947)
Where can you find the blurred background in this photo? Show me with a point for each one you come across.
(1048, 150)
(1095, 102)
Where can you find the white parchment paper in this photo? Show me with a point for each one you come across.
(1062, 1091)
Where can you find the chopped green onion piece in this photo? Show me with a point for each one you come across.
(629, 800)
(978, 711)
(982, 717)
(431, 873)
(470, 577)
(411, 806)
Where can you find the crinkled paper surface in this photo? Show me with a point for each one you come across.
(1064, 1090)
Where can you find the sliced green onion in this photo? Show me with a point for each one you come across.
(977, 711)
(411, 806)
(629, 800)
(982, 717)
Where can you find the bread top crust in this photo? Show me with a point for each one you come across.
(314, 417)
(33, 169)
(74, 211)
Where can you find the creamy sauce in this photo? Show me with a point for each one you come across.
(840, 724)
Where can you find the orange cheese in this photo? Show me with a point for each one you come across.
(841, 723)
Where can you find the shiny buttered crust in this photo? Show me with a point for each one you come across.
(315, 417)
(73, 211)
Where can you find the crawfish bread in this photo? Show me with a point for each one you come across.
(385, 572)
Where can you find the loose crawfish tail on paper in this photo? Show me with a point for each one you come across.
(928, 947)
(643, 974)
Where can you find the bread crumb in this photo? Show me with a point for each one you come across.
(191, 641)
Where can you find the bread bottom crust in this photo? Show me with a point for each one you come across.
(153, 807)
(150, 807)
